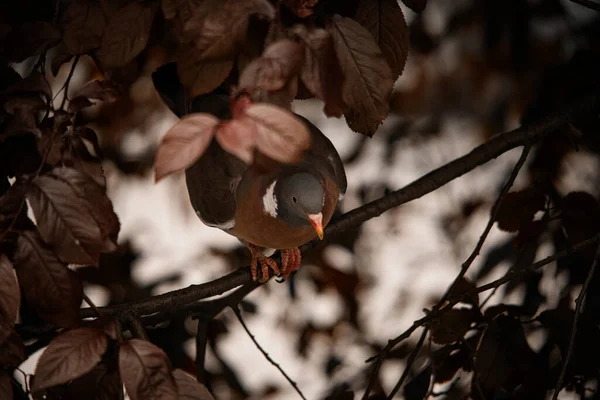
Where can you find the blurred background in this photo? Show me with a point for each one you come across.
(475, 68)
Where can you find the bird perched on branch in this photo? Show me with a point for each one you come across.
(268, 205)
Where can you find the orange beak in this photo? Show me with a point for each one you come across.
(316, 220)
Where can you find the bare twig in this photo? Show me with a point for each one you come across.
(294, 385)
(136, 327)
(90, 303)
(68, 81)
(592, 5)
(409, 363)
(579, 302)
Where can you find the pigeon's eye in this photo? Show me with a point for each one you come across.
(294, 199)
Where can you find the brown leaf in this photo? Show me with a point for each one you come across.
(279, 134)
(199, 76)
(101, 383)
(48, 284)
(465, 290)
(416, 5)
(10, 297)
(79, 103)
(368, 79)
(66, 219)
(302, 8)
(60, 58)
(146, 371)
(169, 8)
(105, 90)
(219, 29)
(321, 72)
(189, 388)
(126, 34)
(83, 26)
(75, 154)
(279, 63)
(99, 205)
(451, 326)
(519, 208)
(34, 83)
(6, 391)
(31, 39)
(71, 354)
(385, 20)
(12, 351)
(238, 137)
(184, 143)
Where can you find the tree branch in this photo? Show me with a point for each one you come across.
(592, 5)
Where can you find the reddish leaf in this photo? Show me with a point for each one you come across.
(6, 391)
(30, 39)
(10, 297)
(189, 388)
(268, 128)
(146, 371)
(519, 208)
(321, 72)
(105, 90)
(368, 79)
(279, 63)
(71, 354)
(12, 351)
(126, 34)
(66, 219)
(100, 206)
(184, 143)
(83, 26)
(48, 284)
(415, 5)
(200, 76)
(451, 326)
(302, 8)
(385, 21)
(219, 28)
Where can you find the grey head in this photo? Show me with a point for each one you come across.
(294, 196)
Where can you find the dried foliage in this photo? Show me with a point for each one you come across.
(68, 72)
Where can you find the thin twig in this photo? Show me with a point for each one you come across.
(579, 302)
(92, 305)
(68, 81)
(238, 314)
(136, 327)
(592, 5)
(201, 341)
(409, 362)
(463, 270)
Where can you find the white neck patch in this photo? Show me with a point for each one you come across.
(270, 201)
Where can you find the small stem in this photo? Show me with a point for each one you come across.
(409, 363)
(201, 341)
(68, 81)
(136, 327)
(92, 305)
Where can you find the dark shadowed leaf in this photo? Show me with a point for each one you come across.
(169, 8)
(302, 8)
(415, 5)
(447, 361)
(100, 206)
(126, 34)
(465, 290)
(12, 351)
(321, 72)
(83, 26)
(10, 297)
(79, 103)
(70, 355)
(279, 63)
(75, 154)
(451, 326)
(61, 57)
(279, 134)
(47, 283)
(189, 388)
(219, 28)
(519, 208)
(385, 21)
(502, 351)
(66, 219)
(200, 76)
(101, 383)
(417, 388)
(580, 216)
(6, 391)
(31, 39)
(368, 79)
(34, 83)
(146, 371)
(184, 143)
(105, 90)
